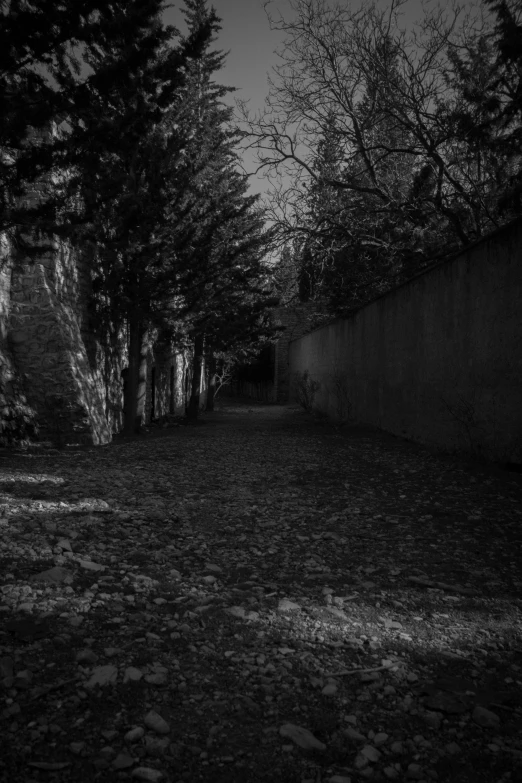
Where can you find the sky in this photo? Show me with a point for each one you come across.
(246, 35)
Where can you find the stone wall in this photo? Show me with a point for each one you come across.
(45, 325)
(438, 359)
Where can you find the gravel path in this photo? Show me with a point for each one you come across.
(259, 597)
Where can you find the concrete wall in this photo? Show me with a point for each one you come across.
(438, 360)
(297, 321)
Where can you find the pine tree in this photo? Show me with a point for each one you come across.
(214, 233)
(129, 143)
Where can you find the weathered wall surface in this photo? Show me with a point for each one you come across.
(297, 321)
(46, 320)
(11, 386)
(439, 359)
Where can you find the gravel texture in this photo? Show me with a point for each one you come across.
(261, 596)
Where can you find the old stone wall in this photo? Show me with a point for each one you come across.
(438, 359)
(46, 329)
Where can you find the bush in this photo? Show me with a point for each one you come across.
(340, 390)
(305, 390)
(18, 424)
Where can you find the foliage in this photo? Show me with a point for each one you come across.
(18, 421)
(365, 129)
(305, 389)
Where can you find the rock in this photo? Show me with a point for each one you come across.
(155, 746)
(57, 574)
(132, 674)
(354, 735)
(88, 565)
(76, 747)
(102, 675)
(360, 761)
(133, 735)
(485, 718)
(6, 667)
(433, 719)
(339, 779)
(212, 567)
(380, 738)
(158, 678)
(236, 611)
(302, 737)
(147, 773)
(336, 612)
(122, 761)
(86, 656)
(156, 723)
(209, 580)
(397, 747)
(330, 689)
(371, 753)
(23, 679)
(174, 573)
(452, 749)
(285, 605)
(65, 544)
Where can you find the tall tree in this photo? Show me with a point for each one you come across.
(44, 84)
(412, 183)
(129, 148)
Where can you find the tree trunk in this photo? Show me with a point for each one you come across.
(211, 391)
(197, 367)
(136, 386)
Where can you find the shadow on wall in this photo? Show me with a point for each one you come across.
(437, 360)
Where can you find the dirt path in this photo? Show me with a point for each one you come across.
(259, 597)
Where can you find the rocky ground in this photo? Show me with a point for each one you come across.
(259, 597)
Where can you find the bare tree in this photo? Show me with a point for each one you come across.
(410, 183)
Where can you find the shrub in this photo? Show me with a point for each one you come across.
(18, 424)
(340, 390)
(305, 390)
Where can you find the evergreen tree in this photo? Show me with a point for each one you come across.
(214, 233)
(130, 143)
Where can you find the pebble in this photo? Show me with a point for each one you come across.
(433, 720)
(485, 718)
(285, 605)
(147, 774)
(453, 749)
(86, 656)
(88, 565)
(354, 734)
(102, 675)
(132, 674)
(330, 689)
(133, 735)
(122, 761)
(57, 574)
(371, 753)
(302, 737)
(156, 723)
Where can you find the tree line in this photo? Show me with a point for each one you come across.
(391, 144)
(117, 120)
